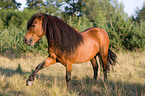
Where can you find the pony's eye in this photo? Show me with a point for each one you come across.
(33, 25)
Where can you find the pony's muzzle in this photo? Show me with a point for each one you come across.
(28, 41)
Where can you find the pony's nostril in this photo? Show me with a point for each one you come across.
(30, 41)
(25, 40)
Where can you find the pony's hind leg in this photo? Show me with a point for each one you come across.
(42, 65)
(95, 67)
(68, 74)
(104, 65)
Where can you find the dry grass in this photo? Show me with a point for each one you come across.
(125, 79)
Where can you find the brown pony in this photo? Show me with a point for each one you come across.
(68, 46)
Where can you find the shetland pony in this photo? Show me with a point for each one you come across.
(68, 46)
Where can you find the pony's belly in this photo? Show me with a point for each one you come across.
(86, 58)
(86, 53)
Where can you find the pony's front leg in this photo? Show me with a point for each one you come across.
(48, 61)
(68, 74)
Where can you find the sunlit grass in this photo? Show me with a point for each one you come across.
(125, 79)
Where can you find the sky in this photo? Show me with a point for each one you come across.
(130, 6)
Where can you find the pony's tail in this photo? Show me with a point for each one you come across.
(111, 58)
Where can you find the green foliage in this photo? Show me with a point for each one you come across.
(136, 39)
(124, 33)
(1, 24)
(35, 4)
(9, 4)
(141, 13)
(118, 30)
(14, 17)
(12, 40)
(80, 23)
(99, 11)
(47, 6)
(51, 7)
(71, 8)
(74, 7)
(13, 31)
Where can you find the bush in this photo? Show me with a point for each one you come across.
(1, 24)
(80, 23)
(125, 34)
(13, 31)
(12, 40)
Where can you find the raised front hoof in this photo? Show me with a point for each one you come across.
(28, 83)
(30, 80)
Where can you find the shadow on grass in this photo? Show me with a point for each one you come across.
(11, 54)
(86, 86)
(9, 72)
(89, 87)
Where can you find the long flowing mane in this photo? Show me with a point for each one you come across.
(59, 34)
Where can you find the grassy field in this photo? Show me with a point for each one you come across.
(125, 79)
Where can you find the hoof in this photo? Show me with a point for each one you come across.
(28, 83)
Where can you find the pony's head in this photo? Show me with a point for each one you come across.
(35, 29)
(59, 34)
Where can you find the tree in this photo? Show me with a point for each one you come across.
(94, 7)
(47, 6)
(52, 7)
(9, 4)
(35, 4)
(95, 12)
(72, 8)
(141, 14)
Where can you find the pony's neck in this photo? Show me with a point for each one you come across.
(61, 35)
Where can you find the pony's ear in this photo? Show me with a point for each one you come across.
(44, 23)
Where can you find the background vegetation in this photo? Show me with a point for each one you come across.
(124, 32)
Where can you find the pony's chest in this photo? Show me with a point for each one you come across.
(62, 58)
